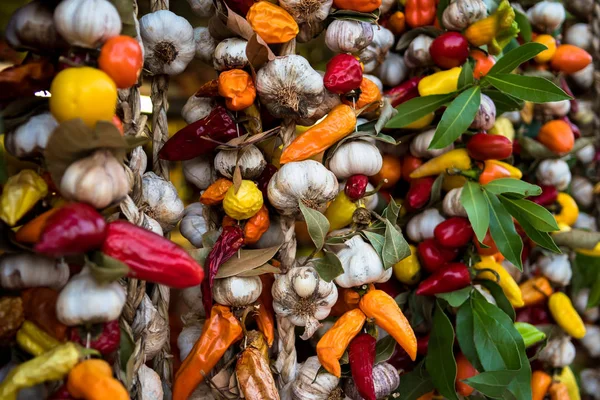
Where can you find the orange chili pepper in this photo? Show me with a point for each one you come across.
(93, 380)
(265, 322)
(570, 59)
(420, 12)
(254, 376)
(228, 221)
(559, 391)
(237, 87)
(397, 23)
(464, 370)
(256, 226)
(365, 6)
(557, 136)
(427, 396)
(272, 23)
(339, 123)
(348, 299)
(483, 63)
(215, 193)
(540, 383)
(495, 169)
(31, 231)
(369, 93)
(380, 306)
(491, 248)
(332, 345)
(535, 291)
(219, 332)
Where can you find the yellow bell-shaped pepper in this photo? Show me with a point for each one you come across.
(507, 283)
(503, 127)
(569, 211)
(565, 315)
(21, 192)
(340, 211)
(442, 82)
(495, 31)
(454, 159)
(407, 270)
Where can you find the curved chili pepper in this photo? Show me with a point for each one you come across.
(35, 340)
(265, 322)
(540, 383)
(547, 197)
(494, 169)
(104, 337)
(419, 192)
(452, 277)
(361, 355)
(254, 376)
(535, 290)
(454, 232)
(565, 315)
(464, 370)
(559, 391)
(219, 332)
(483, 147)
(405, 91)
(454, 159)
(356, 187)
(433, 256)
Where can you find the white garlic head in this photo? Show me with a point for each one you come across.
(193, 225)
(559, 352)
(307, 11)
(199, 171)
(150, 385)
(461, 13)
(205, 44)
(586, 154)
(555, 267)
(251, 162)
(486, 115)
(556, 108)
(28, 270)
(197, 108)
(31, 138)
(421, 226)
(586, 221)
(591, 340)
(417, 54)
(375, 53)
(419, 146)
(348, 36)
(161, 201)
(452, 205)
(237, 291)
(362, 265)
(579, 35)
(188, 337)
(393, 71)
(230, 54)
(31, 27)
(311, 385)
(87, 23)
(590, 382)
(151, 326)
(583, 191)
(357, 157)
(547, 16)
(584, 78)
(554, 173)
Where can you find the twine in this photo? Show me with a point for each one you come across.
(595, 28)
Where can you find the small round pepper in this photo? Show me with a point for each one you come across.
(449, 50)
(272, 23)
(433, 256)
(356, 186)
(546, 55)
(454, 232)
(557, 136)
(238, 89)
(343, 74)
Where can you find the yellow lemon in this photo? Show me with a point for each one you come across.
(245, 203)
(85, 93)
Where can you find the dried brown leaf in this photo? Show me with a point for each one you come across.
(19, 111)
(209, 89)
(25, 79)
(258, 52)
(265, 269)
(248, 260)
(238, 24)
(237, 178)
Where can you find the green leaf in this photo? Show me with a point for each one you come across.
(377, 241)
(414, 384)
(466, 75)
(417, 108)
(524, 26)
(502, 229)
(317, 225)
(457, 118)
(440, 361)
(474, 202)
(492, 383)
(503, 102)
(384, 350)
(512, 59)
(465, 333)
(585, 271)
(125, 9)
(535, 149)
(391, 212)
(528, 88)
(395, 247)
(594, 298)
(456, 298)
(328, 267)
(538, 216)
(436, 190)
(512, 185)
(441, 7)
(498, 294)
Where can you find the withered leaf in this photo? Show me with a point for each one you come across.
(248, 260)
(209, 89)
(19, 111)
(265, 269)
(237, 178)
(125, 9)
(25, 79)
(238, 24)
(258, 52)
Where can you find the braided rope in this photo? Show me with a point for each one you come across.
(595, 26)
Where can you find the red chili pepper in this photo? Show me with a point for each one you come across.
(151, 257)
(74, 229)
(449, 50)
(265, 177)
(400, 359)
(409, 164)
(356, 186)
(534, 315)
(188, 142)
(343, 74)
(454, 276)
(103, 337)
(361, 354)
(454, 232)
(488, 241)
(574, 127)
(422, 345)
(404, 92)
(574, 104)
(433, 256)
(228, 243)
(548, 196)
(489, 147)
(419, 192)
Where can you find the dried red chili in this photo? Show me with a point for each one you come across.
(361, 354)
(103, 337)
(452, 277)
(356, 186)
(343, 74)
(548, 196)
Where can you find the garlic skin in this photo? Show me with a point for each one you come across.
(557, 108)
(358, 157)
(31, 138)
(554, 173)
(421, 226)
(559, 352)
(289, 87)
(579, 35)
(192, 297)
(591, 340)
(583, 191)
(586, 154)
(580, 303)
(237, 291)
(168, 42)
(85, 301)
(362, 265)
(31, 27)
(348, 36)
(555, 267)
(162, 200)
(304, 308)
(462, 13)
(99, 180)
(584, 78)
(375, 53)
(150, 383)
(586, 221)
(197, 108)
(28, 270)
(385, 378)
(452, 206)
(419, 146)
(417, 54)
(205, 44)
(199, 172)
(307, 11)
(202, 8)
(251, 162)
(230, 54)
(330, 100)
(149, 325)
(311, 385)
(393, 71)
(87, 23)
(590, 382)
(188, 337)
(309, 31)
(547, 16)
(486, 115)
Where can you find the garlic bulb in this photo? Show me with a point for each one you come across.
(289, 87)
(419, 146)
(393, 71)
(188, 337)
(30, 138)
(547, 16)
(486, 115)
(385, 378)
(462, 13)
(205, 44)
(580, 302)
(150, 384)
(168, 42)
(554, 173)
(556, 267)
(586, 221)
(330, 100)
(417, 54)
(87, 23)
(151, 326)
(312, 385)
(99, 180)
(590, 382)
(307, 11)
(230, 54)
(237, 291)
(583, 191)
(591, 340)
(309, 31)
(584, 78)
(421, 226)
(557, 108)
(202, 8)
(31, 27)
(559, 352)
(199, 172)
(307, 181)
(357, 157)
(362, 265)
(375, 53)
(376, 81)
(348, 36)
(579, 35)
(251, 162)
(452, 205)
(306, 308)
(162, 201)
(192, 297)
(29, 270)
(586, 154)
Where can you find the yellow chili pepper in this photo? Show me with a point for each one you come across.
(569, 210)
(20, 194)
(34, 340)
(340, 211)
(503, 127)
(495, 169)
(595, 252)
(407, 270)
(450, 182)
(494, 31)
(507, 283)
(421, 122)
(565, 315)
(527, 112)
(454, 159)
(568, 378)
(546, 55)
(442, 82)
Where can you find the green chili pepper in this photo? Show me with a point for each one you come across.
(531, 335)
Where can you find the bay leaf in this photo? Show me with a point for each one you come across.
(248, 260)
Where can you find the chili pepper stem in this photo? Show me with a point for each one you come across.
(377, 188)
(471, 174)
(490, 271)
(311, 255)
